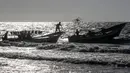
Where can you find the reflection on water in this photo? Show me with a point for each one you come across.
(35, 66)
(41, 66)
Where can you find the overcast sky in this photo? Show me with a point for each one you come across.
(64, 10)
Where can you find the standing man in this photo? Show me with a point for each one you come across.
(58, 27)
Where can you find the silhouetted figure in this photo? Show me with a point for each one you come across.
(58, 27)
(77, 32)
(5, 36)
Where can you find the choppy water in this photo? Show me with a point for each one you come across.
(42, 66)
(35, 66)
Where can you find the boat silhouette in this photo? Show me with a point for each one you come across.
(24, 36)
(103, 36)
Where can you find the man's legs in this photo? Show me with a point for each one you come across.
(56, 29)
(59, 29)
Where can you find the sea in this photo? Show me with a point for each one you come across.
(16, 65)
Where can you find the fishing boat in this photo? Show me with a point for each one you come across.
(103, 36)
(24, 36)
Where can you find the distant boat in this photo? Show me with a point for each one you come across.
(103, 36)
(26, 36)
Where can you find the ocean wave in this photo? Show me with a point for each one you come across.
(78, 47)
(71, 57)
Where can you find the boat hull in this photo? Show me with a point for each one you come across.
(107, 38)
(52, 38)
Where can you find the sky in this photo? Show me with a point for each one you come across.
(64, 10)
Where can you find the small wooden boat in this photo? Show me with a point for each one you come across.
(103, 36)
(52, 37)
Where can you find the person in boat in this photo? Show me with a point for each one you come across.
(58, 27)
(77, 32)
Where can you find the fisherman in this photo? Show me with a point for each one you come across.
(77, 32)
(58, 27)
